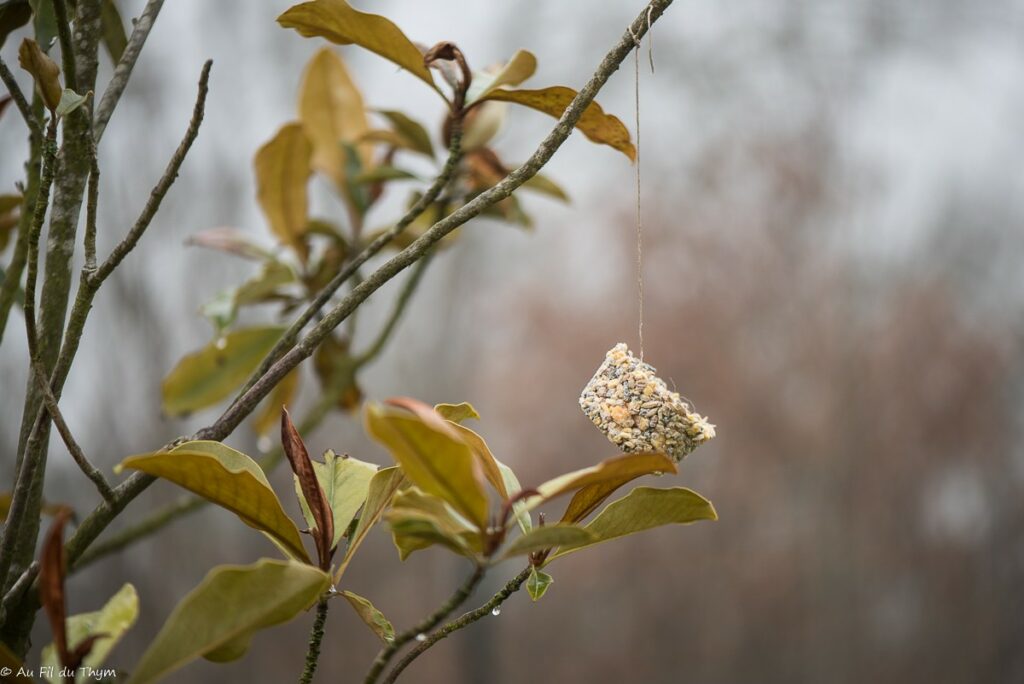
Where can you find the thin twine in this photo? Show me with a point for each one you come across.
(639, 212)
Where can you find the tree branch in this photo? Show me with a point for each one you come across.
(76, 452)
(123, 70)
(425, 625)
(18, 588)
(463, 621)
(67, 51)
(288, 339)
(134, 485)
(19, 99)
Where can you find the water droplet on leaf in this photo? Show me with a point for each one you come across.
(496, 611)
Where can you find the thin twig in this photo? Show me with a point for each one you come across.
(463, 621)
(67, 51)
(105, 512)
(76, 452)
(288, 339)
(19, 99)
(408, 288)
(126, 245)
(91, 206)
(316, 635)
(35, 230)
(18, 588)
(123, 70)
(424, 626)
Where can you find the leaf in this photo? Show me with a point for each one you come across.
(486, 460)
(227, 607)
(222, 309)
(336, 369)
(52, 568)
(457, 413)
(346, 484)
(537, 584)
(412, 133)
(373, 618)
(114, 619)
(419, 520)
(282, 171)
(612, 469)
(481, 124)
(545, 186)
(69, 102)
(599, 127)
(312, 494)
(522, 65)
(211, 374)
(282, 395)
(13, 15)
(231, 241)
(44, 70)
(519, 507)
(642, 509)
(332, 111)
(10, 205)
(44, 22)
(549, 536)
(339, 23)
(112, 27)
(229, 479)
(383, 486)
(433, 457)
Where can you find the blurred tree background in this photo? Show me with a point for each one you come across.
(834, 221)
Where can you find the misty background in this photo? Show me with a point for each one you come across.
(834, 224)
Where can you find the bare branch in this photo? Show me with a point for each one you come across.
(76, 452)
(18, 588)
(123, 70)
(19, 99)
(463, 621)
(163, 185)
(425, 625)
(67, 51)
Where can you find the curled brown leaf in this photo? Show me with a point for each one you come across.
(302, 466)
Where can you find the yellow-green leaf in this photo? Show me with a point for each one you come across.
(373, 618)
(339, 23)
(113, 620)
(642, 509)
(612, 469)
(112, 27)
(419, 520)
(457, 413)
(282, 172)
(537, 584)
(331, 108)
(546, 186)
(411, 133)
(433, 457)
(229, 479)
(346, 483)
(548, 537)
(599, 127)
(519, 508)
(220, 615)
(383, 486)
(211, 374)
(522, 65)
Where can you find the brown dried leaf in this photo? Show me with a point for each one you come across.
(51, 583)
(302, 466)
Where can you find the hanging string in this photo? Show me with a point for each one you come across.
(639, 212)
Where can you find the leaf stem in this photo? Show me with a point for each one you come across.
(401, 303)
(425, 625)
(464, 620)
(316, 635)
